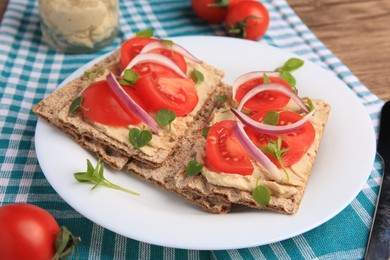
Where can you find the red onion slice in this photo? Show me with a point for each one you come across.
(249, 76)
(155, 58)
(271, 129)
(274, 87)
(175, 47)
(272, 171)
(130, 105)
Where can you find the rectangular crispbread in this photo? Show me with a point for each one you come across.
(289, 205)
(55, 110)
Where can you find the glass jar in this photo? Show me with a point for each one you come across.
(79, 26)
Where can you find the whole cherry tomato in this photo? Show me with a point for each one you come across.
(27, 232)
(247, 19)
(213, 11)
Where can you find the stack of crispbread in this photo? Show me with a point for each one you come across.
(166, 168)
(55, 110)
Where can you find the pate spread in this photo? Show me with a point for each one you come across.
(79, 22)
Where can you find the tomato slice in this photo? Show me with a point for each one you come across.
(297, 142)
(102, 106)
(159, 87)
(224, 152)
(265, 99)
(133, 47)
(174, 56)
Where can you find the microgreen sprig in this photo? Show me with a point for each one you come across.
(145, 33)
(197, 76)
(261, 194)
(205, 131)
(77, 103)
(165, 117)
(289, 66)
(95, 175)
(193, 168)
(275, 149)
(130, 77)
(91, 74)
(139, 138)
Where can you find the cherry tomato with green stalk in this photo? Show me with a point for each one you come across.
(30, 232)
(213, 11)
(247, 19)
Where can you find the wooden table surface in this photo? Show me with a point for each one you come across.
(356, 31)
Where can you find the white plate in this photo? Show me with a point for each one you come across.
(162, 218)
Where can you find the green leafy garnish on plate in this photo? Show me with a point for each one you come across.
(271, 118)
(205, 131)
(77, 103)
(165, 117)
(130, 77)
(275, 149)
(261, 195)
(95, 175)
(193, 168)
(197, 76)
(139, 138)
(291, 65)
(145, 33)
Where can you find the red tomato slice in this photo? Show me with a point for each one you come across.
(102, 106)
(266, 99)
(174, 56)
(133, 47)
(224, 152)
(297, 142)
(159, 87)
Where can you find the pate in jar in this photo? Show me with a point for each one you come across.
(79, 26)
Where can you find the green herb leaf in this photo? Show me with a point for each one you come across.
(310, 104)
(261, 195)
(169, 42)
(93, 73)
(76, 103)
(197, 76)
(275, 149)
(287, 76)
(95, 175)
(165, 117)
(271, 118)
(145, 33)
(130, 77)
(205, 131)
(265, 79)
(193, 168)
(291, 65)
(222, 99)
(139, 138)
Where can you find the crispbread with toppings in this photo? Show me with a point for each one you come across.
(284, 204)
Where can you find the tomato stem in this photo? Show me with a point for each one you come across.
(65, 244)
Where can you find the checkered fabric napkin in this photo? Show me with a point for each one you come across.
(29, 70)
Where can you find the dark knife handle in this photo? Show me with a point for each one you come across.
(379, 243)
(378, 246)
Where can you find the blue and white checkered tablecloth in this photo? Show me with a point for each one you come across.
(29, 70)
